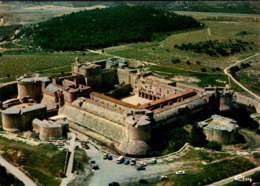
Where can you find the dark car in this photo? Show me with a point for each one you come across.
(86, 147)
(109, 157)
(92, 162)
(94, 166)
(140, 168)
(113, 184)
(126, 162)
(133, 161)
(143, 181)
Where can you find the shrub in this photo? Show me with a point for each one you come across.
(214, 145)
(176, 60)
(188, 62)
(203, 70)
(198, 62)
(197, 138)
(218, 69)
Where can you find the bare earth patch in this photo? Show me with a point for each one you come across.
(187, 79)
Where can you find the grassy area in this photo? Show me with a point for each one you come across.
(197, 155)
(42, 162)
(80, 160)
(249, 76)
(19, 62)
(213, 172)
(163, 52)
(205, 78)
(7, 179)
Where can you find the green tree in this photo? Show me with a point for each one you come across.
(197, 138)
(214, 145)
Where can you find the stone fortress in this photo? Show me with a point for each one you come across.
(109, 101)
(220, 129)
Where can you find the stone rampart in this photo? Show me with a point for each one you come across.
(50, 130)
(221, 136)
(97, 109)
(93, 122)
(17, 119)
(247, 101)
(49, 101)
(180, 112)
(7, 90)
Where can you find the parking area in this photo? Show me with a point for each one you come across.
(109, 171)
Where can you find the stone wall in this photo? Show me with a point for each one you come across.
(221, 136)
(96, 109)
(16, 119)
(32, 89)
(181, 112)
(109, 79)
(49, 130)
(247, 101)
(11, 121)
(111, 102)
(49, 100)
(8, 90)
(95, 123)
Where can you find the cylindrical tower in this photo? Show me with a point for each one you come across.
(11, 119)
(138, 132)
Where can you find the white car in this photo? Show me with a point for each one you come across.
(163, 177)
(180, 172)
(142, 164)
(241, 178)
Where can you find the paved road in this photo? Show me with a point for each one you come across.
(230, 179)
(69, 175)
(239, 84)
(16, 172)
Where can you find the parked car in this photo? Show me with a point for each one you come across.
(133, 161)
(142, 164)
(163, 177)
(242, 178)
(92, 162)
(94, 166)
(180, 172)
(113, 184)
(105, 156)
(109, 157)
(138, 168)
(154, 161)
(121, 159)
(126, 162)
(143, 181)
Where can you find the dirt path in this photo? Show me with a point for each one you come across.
(239, 84)
(16, 172)
(52, 68)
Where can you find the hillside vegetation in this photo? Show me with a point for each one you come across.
(106, 27)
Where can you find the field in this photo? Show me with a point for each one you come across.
(14, 63)
(43, 162)
(250, 76)
(209, 70)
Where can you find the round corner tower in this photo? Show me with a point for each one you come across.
(138, 132)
